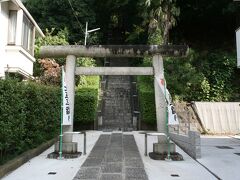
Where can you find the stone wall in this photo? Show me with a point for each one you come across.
(190, 143)
(188, 119)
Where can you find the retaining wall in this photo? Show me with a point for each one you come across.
(190, 143)
(23, 158)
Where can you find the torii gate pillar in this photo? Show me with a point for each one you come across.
(160, 103)
(70, 74)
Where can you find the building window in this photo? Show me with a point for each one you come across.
(12, 26)
(27, 34)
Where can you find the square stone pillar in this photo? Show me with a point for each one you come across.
(70, 81)
(159, 96)
(161, 104)
(68, 146)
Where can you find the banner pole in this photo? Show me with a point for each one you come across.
(168, 140)
(61, 125)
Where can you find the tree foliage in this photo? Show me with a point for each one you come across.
(160, 15)
(61, 38)
(202, 77)
(61, 14)
(206, 24)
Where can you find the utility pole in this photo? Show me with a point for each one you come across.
(87, 32)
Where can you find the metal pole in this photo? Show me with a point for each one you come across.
(189, 120)
(85, 142)
(167, 128)
(86, 34)
(145, 144)
(61, 126)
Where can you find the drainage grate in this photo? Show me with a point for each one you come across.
(175, 175)
(224, 147)
(237, 154)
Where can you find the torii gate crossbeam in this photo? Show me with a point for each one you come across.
(129, 51)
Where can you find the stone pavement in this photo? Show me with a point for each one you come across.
(221, 155)
(114, 156)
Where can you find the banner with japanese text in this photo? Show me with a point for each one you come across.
(66, 119)
(172, 115)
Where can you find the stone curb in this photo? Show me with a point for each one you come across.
(24, 157)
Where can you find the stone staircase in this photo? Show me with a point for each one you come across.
(116, 107)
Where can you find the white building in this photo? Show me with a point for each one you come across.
(17, 35)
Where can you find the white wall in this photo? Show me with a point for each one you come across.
(3, 34)
(17, 58)
(13, 56)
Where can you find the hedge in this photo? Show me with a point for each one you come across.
(86, 101)
(147, 99)
(30, 115)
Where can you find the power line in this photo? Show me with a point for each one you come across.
(75, 16)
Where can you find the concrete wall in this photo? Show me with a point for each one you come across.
(190, 143)
(219, 117)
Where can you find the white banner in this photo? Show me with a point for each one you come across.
(66, 115)
(162, 83)
(172, 116)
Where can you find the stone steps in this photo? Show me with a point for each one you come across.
(117, 112)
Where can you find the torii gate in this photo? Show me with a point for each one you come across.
(71, 52)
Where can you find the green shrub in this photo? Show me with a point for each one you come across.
(147, 99)
(86, 100)
(44, 112)
(30, 115)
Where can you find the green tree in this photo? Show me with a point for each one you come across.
(206, 24)
(160, 15)
(218, 67)
(61, 14)
(61, 38)
(119, 20)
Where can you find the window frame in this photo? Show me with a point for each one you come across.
(12, 27)
(27, 39)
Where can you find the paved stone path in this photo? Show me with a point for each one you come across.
(114, 157)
